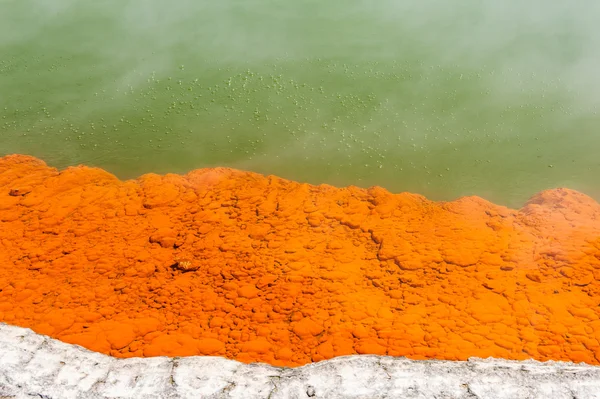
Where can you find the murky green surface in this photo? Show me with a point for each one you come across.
(498, 99)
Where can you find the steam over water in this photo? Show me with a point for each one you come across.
(442, 98)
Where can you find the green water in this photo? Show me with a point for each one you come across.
(442, 98)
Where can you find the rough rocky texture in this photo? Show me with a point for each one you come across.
(36, 366)
(253, 268)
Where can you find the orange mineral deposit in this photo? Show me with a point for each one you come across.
(230, 263)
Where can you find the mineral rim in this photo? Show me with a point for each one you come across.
(261, 269)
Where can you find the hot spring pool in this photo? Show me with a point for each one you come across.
(445, 100)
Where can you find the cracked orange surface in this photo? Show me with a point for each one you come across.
(230, 263)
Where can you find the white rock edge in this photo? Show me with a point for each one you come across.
(37, 366)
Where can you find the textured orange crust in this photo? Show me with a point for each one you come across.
(254, 268)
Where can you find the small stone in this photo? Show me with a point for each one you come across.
(185, 265)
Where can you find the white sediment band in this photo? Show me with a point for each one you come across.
(36, 366)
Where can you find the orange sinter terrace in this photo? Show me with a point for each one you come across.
(228, 263)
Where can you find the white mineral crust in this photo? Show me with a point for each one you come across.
(36, 366)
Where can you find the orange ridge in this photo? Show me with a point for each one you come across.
(230, 263)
